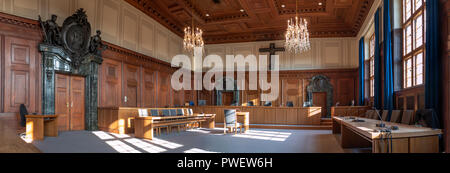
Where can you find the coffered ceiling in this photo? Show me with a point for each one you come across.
(231, 21)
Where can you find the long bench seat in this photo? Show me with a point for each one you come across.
(120, 120)
(145, 126)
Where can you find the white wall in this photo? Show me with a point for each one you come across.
(325, 53)
(121, 24)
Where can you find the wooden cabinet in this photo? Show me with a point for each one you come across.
(70, 102)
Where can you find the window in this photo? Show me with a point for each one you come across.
(414, 15)
(372, 65)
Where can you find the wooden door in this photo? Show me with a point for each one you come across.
(131, 90)
(20, 73)
(110, 89)
(227, 98)
(77, 106)
(320, 100)
(62, 101)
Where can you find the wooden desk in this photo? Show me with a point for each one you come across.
(244, 118)
(408, 139)
(144, 126)
(269, 115)
(37, 127)
(351, 111)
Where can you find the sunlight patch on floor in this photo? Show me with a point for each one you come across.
(264, 135)
(196, 150)
(103, 135)
(121, 147)
(145, 146)
(164, 143)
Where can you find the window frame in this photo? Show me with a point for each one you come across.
(371, 62)
(411, 22)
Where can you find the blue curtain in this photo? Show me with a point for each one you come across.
(377, 85)
(432, 65)
(388, 92)
(361, 72)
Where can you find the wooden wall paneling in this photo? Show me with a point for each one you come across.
(314, 116)
(304, 91)
(320, 100)
(131, 83)
(149, 92)
(110, 83)
(20, 72)
(345, 91)
(178, 97)
(291, 116)
(77, 106)
(62, 101)
(280, 116)
(206, 95)
(410, 103)
(164, 95)
(291, 91)
(301, 116)
(270, 116)
(411, 98)
(2, 85)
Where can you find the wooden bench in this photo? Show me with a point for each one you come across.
(120, 120)
(144, 126)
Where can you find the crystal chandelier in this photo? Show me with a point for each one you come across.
(297, 34)
(193, 37)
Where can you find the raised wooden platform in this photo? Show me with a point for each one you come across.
(285, 127)
(10, 142)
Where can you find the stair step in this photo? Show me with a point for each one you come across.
(289, 127)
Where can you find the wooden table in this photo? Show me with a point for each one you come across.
(144, 126)
(244, 118)
(39, 126)
(269, 115)
(408, 139)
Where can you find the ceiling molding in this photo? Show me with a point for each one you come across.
(261, 20)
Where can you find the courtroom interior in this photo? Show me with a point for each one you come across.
(347, 76)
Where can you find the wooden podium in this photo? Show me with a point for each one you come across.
(37, 127)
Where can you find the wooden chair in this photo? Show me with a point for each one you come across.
(230, 121)
(166, 113)
(375, 115)
(190, 112)
(426, 118)
(290, 104)
(369, 114)
(268, 104)
(155, 113)
(396, 116)
(385, 114)
(180, 112)
(408, 117)
(173, 113)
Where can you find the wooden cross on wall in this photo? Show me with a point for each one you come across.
(272, 50)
